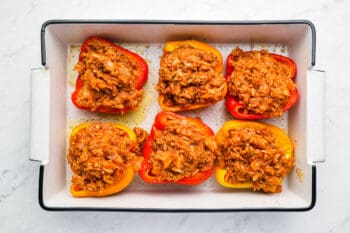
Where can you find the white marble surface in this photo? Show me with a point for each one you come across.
(20, 23)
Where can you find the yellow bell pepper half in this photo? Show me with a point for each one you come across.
(281, 138)
(171, 46)
(113, 188)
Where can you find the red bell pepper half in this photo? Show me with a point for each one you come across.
(237, 109)
(140, 75)
(160, 123)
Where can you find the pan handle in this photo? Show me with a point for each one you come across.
(315, 97)
(39, 115)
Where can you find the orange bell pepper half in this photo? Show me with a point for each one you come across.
(172, 45)
(141, 74)
(160, 123)
(281, 138)
(122, 183)
(236, 108)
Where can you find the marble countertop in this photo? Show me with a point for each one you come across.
(20, 23)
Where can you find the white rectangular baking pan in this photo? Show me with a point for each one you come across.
(53, 115)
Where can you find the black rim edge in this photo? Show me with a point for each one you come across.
(68, 21)
(156, 210)
(183, 22)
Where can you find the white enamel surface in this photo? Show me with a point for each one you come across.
(63, 46)
(20, 51)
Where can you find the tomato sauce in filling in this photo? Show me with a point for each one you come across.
(100, 153)
(181, 150)
(261, 83)
(252, 156)
(187, 76)
(108, 78)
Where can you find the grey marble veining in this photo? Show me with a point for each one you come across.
(20, 23)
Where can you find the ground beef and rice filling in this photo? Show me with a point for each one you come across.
(100, 153)
(262, 84)
(181, 150)
(252, 155)
(187, 76)
(108, 78)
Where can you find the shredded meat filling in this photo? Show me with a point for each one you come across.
(251, 155)
(262, 84)
(187, 76)
(108, 78)
(181, 150)
(100, 153)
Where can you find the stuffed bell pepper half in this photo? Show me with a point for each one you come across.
(179, 150)
(253, 155)
(190, 76)
(104, 158)
(110, 77)
(260, 84)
